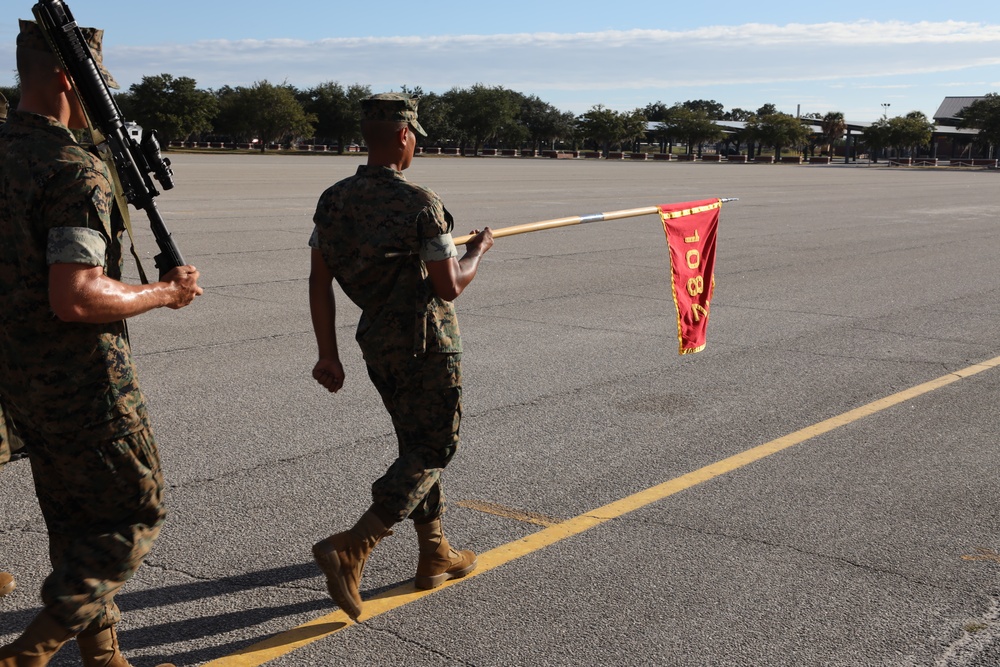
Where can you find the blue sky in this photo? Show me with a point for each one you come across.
(848, 56)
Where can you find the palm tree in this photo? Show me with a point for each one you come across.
(834, 126)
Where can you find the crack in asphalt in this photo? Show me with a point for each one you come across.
(232, 581)
(425, 647)
(806, 552)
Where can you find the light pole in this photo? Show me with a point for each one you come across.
(885, 115)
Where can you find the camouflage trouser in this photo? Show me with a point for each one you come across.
(4, 439)
(423, 395)
(103, 507)
(11, 445)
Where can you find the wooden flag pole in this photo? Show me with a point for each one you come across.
(561, 222)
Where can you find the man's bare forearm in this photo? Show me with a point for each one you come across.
(323, 309)
(80, 293)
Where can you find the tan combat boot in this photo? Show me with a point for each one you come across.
(342, 558)
(7, 584)
(100, 649)
(438, 561)
(40, 641)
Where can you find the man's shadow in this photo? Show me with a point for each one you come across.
(204, 627)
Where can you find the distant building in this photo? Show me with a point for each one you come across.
(947, 140)
(949, 113)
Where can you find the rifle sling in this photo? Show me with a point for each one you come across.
(119, 200)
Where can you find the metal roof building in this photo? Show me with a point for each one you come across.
(951, 107)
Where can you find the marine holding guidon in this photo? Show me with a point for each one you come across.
(408, 333)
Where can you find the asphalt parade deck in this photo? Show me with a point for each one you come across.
(818, 487)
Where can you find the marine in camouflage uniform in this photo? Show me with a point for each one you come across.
(10, 443)
(67, 377)
(6, 581)
(408, 333)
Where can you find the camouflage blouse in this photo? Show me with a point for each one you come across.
(358, 221)
(55, 207)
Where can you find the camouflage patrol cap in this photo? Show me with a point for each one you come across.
(31, 37)
(392, 106)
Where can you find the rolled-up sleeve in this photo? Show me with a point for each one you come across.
(76, 245)
(77, 213)
(438, 248)
(434, 226)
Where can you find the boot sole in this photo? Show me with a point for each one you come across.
(329, 563)
(427, 583)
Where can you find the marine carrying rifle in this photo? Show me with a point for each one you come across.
(134, 161)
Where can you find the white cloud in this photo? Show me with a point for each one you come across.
(612, 60)
(620, 68)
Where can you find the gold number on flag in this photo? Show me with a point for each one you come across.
(698, 311)
(692, 239)
(696, 286)
(696, 261)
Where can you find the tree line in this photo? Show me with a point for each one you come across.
(497, 117)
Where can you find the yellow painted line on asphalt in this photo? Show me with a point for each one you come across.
(290, 640)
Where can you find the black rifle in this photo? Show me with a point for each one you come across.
(134, 161)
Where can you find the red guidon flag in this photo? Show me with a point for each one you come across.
(691, 230)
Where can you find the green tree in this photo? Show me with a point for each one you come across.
(601, 125)
(664, 131)
(737, 114)
(634, 126)
(174, 107)
(712, 109)
(984, 115)
(337, 111)
(876, 137)
(780, 130)
(656, 112)
(126, 103)
(543, 123)
(480, 112)
(513, 135)
(265, 112)
(909, 133)
(435, 115)
(694, 127)
(572, 134)
(229, 119)
(834, 126)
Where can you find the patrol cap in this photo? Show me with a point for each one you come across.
(397, 107)
(32, 37)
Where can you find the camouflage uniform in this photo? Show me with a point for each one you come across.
(72, 388)
(6, 431)
(408, 336)
(11, 444)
